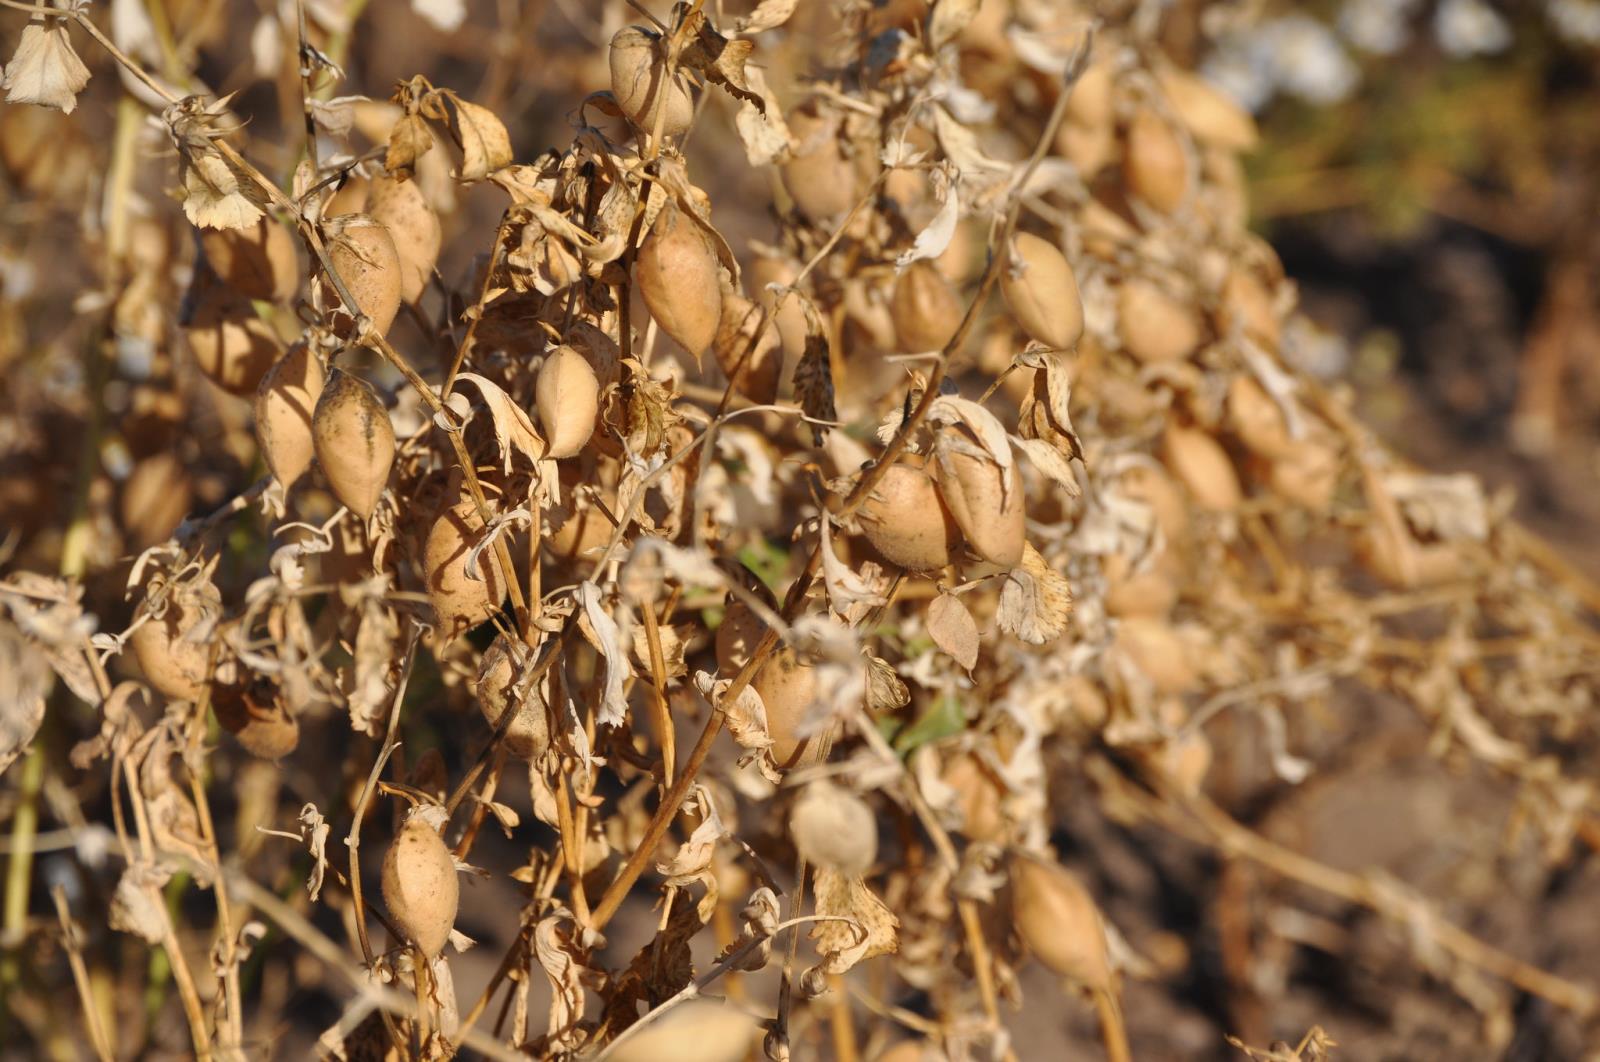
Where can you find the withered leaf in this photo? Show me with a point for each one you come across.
(886, 691)
(598, 626)
(721, 60)
(953, 629)
(25, 673)
(1035, 600)
(813, 374)
(409, 140)
(867, 926)
(44, 69)
(485, 145)
(513, 428)
(769, 14)
(215, 196)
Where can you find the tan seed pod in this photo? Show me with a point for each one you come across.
(907, 522)
(978, 797)
(257, 717)
(1246, 304)
(700, 1031)
(1308, 475)
(576, 529)
(1155, 326)
(232, 345)
(258, 261)
(528, 734)
(419, 881)
(925, 308)
(1255, 419)
(1088, 147)
(285, 400)
(1093, 98)
(676, 270)
(354, 441)
(1042, 293)
(567, 394)
(1060, 922)
(364, 255)
(790, 317)
(172, 663)
(1201, 464)
(639, 83)
(1152, 590)
(834, 828)
(785, 683)
(986, 500)
(351, 198)
(1209, 114)
(459, 601)
(819, 178)
(1148, 483)
(762, 371)
(155, 499)
(413, 225)
(1155, 163)
(1153, 647)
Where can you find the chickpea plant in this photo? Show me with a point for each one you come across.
(916, 549)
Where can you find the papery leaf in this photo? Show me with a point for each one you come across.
(1035, 600)
(953, 629)
(602, 630)
(769, 14)
(513, 428)
(813, 374)
(44, 69)
(485, 145)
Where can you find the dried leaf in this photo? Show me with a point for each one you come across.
(215, 196)
(769, 14)
(26, 674)
(933, 240)
(44, 69)
(560, 956)
(692, 861)
(886, 692)
(850, 596)
(409, 140)
(762, 130)
(813, 374)
(136, 906)
(872, 929)
(1035, 600)
(948, 19)
(953, 629)
(485, 145)
(513, 428)
(601, 630)
(1048, 460)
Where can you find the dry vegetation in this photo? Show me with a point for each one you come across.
(930, 625)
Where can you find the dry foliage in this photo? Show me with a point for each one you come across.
(1004, 483)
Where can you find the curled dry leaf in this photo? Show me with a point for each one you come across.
(1035, 600)
(952, 628)
(864, 927)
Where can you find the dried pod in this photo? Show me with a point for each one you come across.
(907, 522)
(1148, 483)
(354, 441)
(834, 828)
(257, 717)
(413, 225)
(285, 399)
(258, 261)
(977, 796)
(1155, 163)
(789, 316)
(762, 371)
(819, 178)
(1155, 326)
(1308, 475)
(1246, 304)
(460, 601)
(1088, 147)
(1088, 136)
(528, 734)
(699, 1031)
(578, 527)
(1060, 922)
(1255, 419)
(926, 309)
(1202, 465)
(155, 499)
(1209, 114)
(1403, 563)
(639, 83)
(676, 270)
(1156, 650)
(419, 881)
(364, 255)
(172, 663)
(1042, 293)
(568, 396)
(349, 198)
(1150, 589)
(785, 683)
(986, 500)
(232, 345)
